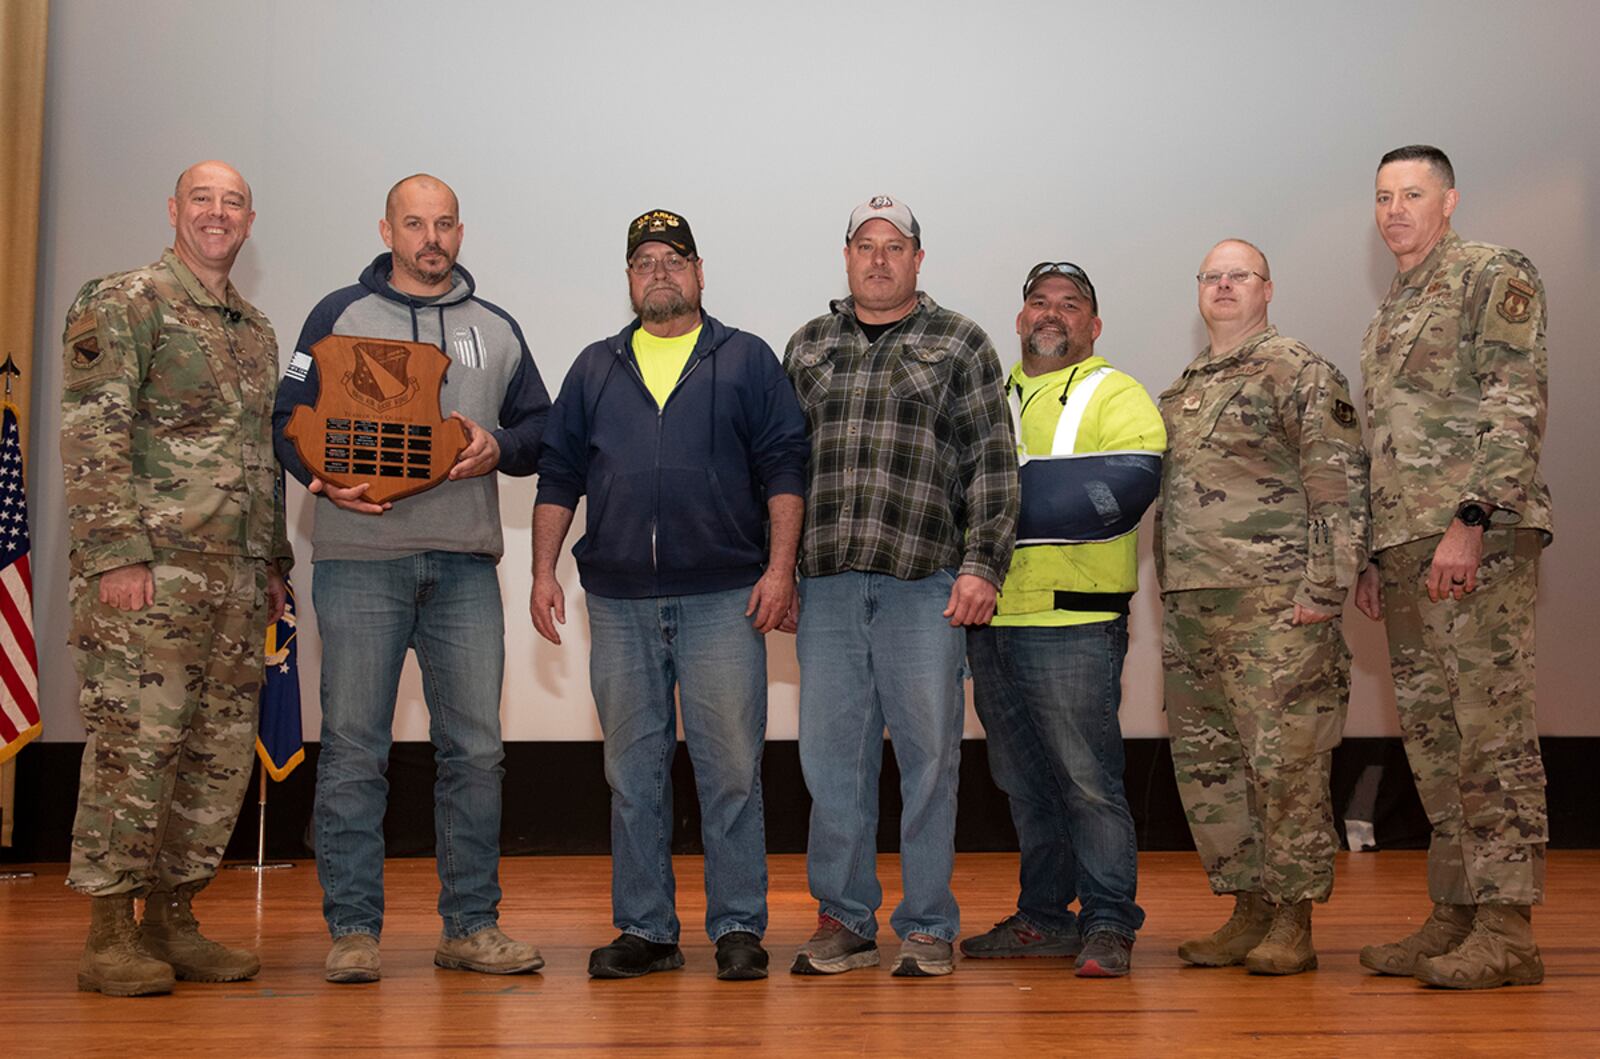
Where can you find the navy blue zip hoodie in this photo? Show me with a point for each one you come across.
(492, 380)
(677, 493)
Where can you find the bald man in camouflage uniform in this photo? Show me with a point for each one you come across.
(1261, 529)
(1456, 392)
(175, 510)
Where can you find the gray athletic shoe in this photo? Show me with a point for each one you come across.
(923, 956)
(1011, 937)
(834, 949)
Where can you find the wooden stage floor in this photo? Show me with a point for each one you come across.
(1025, 1007)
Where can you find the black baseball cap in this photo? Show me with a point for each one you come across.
(661, 226)
(1066, 270)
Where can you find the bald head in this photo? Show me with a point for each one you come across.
(418, 182)
(212, 173)
(1254, 251)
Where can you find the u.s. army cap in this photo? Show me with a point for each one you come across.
(661, 226)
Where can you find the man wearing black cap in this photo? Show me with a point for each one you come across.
(911, 510)
(1047, 672)
(686, 438)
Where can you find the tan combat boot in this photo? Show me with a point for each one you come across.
(1287, 947)
(1243, 931)
(1499, 951)
(1447, 926)
(170, 932)
(112, 961)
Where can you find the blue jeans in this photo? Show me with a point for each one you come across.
(877, 651)
(1048, 699)
(703, 644)
(446, 607)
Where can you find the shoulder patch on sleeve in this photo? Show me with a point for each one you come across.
(86, 350)
(1344, 413)
(1515, 305)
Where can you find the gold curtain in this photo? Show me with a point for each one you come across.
(23, 25)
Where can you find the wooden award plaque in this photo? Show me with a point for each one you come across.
(377, 417)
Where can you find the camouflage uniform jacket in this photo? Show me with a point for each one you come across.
(166, 422)
(1456, 392)
(1265, 480)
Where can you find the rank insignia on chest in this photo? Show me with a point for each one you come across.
(1191, 404)
(1516, 305)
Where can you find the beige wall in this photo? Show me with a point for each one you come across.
(1124, 137)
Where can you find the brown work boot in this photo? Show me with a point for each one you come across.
(1499, 951)
(1446, 927)
(1287, 947)
(352, 959)
(169, 932)
(1231, 942)
(113, 963)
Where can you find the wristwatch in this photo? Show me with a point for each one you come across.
(1473, 514)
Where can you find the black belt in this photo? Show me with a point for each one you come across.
(1114, 602)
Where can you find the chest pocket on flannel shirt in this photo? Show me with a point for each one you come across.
(812, 376)
(921, 374)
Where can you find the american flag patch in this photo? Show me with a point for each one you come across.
(468, 345)
(299, 364)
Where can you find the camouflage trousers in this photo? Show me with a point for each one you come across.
(1463, 684)
(169, 702)
(1255, 706)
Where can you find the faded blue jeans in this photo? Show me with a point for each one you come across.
(876, 651)
(445, 606)
(1048, 699)
(706, 647)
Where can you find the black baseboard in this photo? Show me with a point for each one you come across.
(556, 800)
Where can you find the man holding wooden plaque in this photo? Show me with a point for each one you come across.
(405, 394)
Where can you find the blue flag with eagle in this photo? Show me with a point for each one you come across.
(279, 742)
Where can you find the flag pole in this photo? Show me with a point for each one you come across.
(261, 864)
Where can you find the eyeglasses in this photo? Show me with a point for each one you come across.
(644, 266)
(1238, 277)
(1062, 268)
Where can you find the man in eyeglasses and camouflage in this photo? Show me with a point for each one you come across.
(1047, 670)
(1260, 532)
(685, 435)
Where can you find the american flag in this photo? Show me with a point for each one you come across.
(19, 662)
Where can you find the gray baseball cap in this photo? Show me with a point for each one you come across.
(884, 208)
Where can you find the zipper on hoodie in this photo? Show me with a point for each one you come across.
(661, 411)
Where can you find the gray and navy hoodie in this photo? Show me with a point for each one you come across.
(677, 493)
(492, 380)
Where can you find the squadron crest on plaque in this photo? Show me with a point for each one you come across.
(377, 418)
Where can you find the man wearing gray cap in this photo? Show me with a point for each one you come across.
(908, 531)
(1047, 672)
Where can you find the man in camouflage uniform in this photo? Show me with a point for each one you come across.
(175, 508)
(1261, 529)
(1455, 372)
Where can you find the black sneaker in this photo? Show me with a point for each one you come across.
(740, 957)
(631, 956)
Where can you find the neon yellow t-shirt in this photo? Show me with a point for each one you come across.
(661, 360)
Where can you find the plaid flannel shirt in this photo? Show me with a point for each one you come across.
(913, 463)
